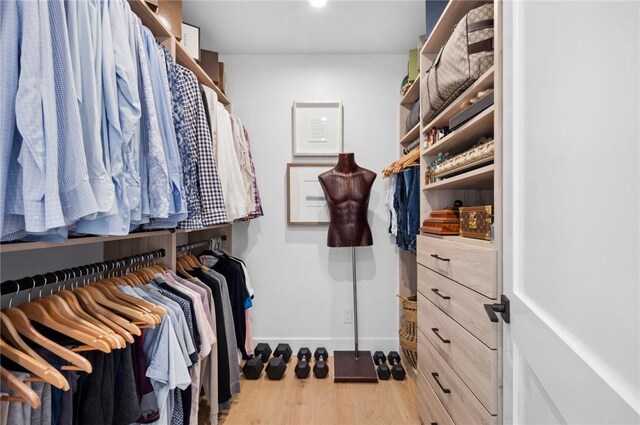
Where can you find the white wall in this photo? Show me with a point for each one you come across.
(301, 286)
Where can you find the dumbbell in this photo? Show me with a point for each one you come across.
(253, 367)
(320, 368)
(278, 364)
(397, 370)
(383, 370)
(303, 368)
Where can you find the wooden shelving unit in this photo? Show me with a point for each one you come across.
(454, 263)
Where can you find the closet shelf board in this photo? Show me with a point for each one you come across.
(149, 19)
(183, 58)
(412, 135)
(481, 178)
(451, 15)
(465, 136)
(85, 240)
(412, 94)
(204, 229)
(483, 83)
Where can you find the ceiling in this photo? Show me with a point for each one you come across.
(296, 27)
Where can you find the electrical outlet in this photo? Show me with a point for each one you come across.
(347, 315)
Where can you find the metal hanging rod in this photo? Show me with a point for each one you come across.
(191, 246)
(13, 286)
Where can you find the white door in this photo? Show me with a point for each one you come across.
(571, 212)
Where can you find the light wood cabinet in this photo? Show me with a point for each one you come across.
(459, 348)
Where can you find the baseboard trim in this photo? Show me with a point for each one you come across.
(332, 344)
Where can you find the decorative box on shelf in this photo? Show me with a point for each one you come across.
(475, 222)
(443, 222)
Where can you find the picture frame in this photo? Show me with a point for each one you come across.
(191, 40)
(306, 204)
(317, 128)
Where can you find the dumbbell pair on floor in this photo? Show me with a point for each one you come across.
(252, 369)
(384, 372)
(320, 368)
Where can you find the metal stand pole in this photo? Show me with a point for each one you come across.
(355, 300)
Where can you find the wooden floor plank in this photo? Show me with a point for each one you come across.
(292, 401)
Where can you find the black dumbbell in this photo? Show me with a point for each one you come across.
(381, 361)
(278, 364)
(396, 370)
(320, 368)
(253, 367)
(303, 368)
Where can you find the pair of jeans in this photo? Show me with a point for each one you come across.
(407, 205)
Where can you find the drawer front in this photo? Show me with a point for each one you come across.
(475, 363)
(472, 266)
(465, 306)
(430, 408)
(463, 407)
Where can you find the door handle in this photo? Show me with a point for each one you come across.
(435, 331)
(436, 290)
(437, 257)
(503, 308)
(444, 390)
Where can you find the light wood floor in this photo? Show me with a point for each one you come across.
(292, 401)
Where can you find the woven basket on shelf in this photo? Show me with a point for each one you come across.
(407, 331)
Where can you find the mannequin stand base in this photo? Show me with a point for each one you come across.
(349, 369)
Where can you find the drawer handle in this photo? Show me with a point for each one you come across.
(437, 257)
(435, 331)
(444, 297)
(444, 390)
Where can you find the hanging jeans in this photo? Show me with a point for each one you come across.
(407, 204)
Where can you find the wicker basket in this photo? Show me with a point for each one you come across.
(407, 331)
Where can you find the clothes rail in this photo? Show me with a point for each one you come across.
(14, 286)
(190, 247)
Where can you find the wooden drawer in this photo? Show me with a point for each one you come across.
(463, 407)
(430, 408)
(471, 265)
(463, 305)
(475, 363)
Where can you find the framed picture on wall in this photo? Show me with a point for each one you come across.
(317, 128)
(191, 40)
(305, 198)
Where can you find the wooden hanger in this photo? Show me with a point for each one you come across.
(60, 310)
(119, 308)
(139, 302)
(25, 393)
(39, 314)
(180, 266)
(106, 325)
(92, 307)
(22, 325)
(10, 334)
(39, 368)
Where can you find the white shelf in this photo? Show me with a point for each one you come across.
(466, 135)
(483, 83)
(412, 94)
(411, 136)
(480, 178)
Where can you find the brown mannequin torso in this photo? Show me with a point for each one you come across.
(347, 188)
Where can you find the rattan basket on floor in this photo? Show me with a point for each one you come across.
(407, 331)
